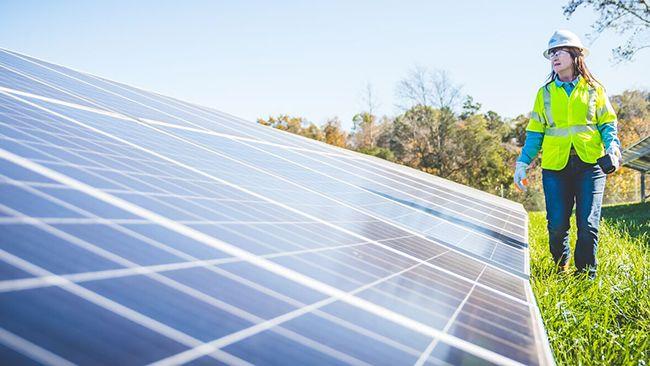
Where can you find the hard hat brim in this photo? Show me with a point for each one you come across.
(584, 50)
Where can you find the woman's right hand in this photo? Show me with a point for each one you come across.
(520, 175)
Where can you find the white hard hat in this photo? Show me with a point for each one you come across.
(565, 38)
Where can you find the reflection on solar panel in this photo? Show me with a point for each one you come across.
(136, 228)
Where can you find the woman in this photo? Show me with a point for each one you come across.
(572, 120)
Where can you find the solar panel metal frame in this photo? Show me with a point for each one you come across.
(637, 156)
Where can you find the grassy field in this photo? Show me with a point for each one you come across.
(605, 321)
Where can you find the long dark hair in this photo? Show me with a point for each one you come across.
(579, 68)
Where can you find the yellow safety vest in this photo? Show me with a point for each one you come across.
(569, 121)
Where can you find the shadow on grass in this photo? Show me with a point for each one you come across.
(632, 218)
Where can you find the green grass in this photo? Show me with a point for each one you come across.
(605, 321)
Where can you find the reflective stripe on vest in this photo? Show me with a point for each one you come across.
(547, 107)
(602, 111)
(566, 131)
(591, 110)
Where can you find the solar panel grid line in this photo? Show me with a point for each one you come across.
(105, 303)
(118, 85)
(224, 182)
(452, 319)
(382, 312)
(32, 350)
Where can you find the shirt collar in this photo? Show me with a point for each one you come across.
(560, 83)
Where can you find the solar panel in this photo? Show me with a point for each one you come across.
(637, 156)
(137, 228)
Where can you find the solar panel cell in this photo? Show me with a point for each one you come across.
(9, 272)
(12, 357)
(79, 331)
(46, 248)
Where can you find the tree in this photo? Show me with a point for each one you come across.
(411, 137)
(380, 152)
(622, 16)
(633, 111)
(479, 158)
(365, 129)
(426, 88)
(446, 93)
(416, 88)
(313, 132)
(497, 125)
(470, 107)
(421, 133)
(284, 122)
(518, 132)
(369, 102)
(297, 125)
(334, 135)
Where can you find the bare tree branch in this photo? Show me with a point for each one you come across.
(621, 16)
(426, 88)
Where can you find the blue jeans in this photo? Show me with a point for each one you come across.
(583, 184)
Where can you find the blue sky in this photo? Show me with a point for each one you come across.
(310, 58)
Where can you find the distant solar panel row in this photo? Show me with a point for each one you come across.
(136, 228)
(637, 156)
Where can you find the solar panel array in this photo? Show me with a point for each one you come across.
(136, 228)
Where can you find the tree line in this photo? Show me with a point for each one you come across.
(444, 133)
